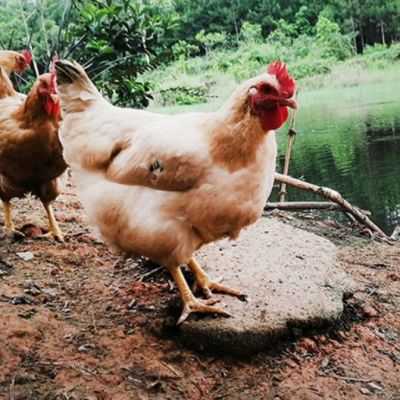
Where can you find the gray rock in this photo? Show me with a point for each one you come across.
(292, 277)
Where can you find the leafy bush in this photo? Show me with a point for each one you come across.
(183, 95)
(376, 48)
(383, 52)
(309, 67)
(335, 45)
(251, 33)
(117, 39)
(210, 40)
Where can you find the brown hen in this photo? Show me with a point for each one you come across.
(31, 158)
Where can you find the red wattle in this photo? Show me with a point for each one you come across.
(56, 108)
(50, 106)
(273, 118)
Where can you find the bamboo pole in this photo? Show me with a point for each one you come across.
(291, 134)
(332, 195)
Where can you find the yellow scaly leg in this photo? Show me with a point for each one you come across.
(207, 285)
(8, 224)
(190, 303)
(54, 228)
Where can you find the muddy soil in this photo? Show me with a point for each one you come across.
(79, 321)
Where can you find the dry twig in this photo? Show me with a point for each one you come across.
(24, 19)
(150, 273)
(291, 134)
(332, 195)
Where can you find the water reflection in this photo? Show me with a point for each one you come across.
(349, 141)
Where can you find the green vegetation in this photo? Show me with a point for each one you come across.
(182, 52)
(115, 40)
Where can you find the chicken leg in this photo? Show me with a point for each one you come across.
(54, 228)
(204, 283)
(190, 303)
(8, 224)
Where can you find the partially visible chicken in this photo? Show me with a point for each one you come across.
(31, 158)
(6, 87)
(163, 186)
(10, 60)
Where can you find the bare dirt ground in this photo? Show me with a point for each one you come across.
(77, 321)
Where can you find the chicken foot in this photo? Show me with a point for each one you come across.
(8, 224)
(54, 228)
(190, 303)
(206, 285)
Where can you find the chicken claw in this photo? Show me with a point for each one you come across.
(14, 232)
(204, 283)
(59, 235)
(203, 306)
(54, 228)
(190, 303)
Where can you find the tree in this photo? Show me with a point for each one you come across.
(114, 39)
(251, 32)
(334, 43)
(210, 40)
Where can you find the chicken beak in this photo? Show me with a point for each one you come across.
(54, 98)
(289, 103)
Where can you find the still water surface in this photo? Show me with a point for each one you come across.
(349, 140)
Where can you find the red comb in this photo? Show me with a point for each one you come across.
(279, 70)
(27, 56)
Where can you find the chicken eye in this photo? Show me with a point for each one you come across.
(45, 85)
(266, 89)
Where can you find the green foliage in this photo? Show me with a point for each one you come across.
(120, 41)
(383, 52)
(376, 48)
(193, 95)
(283, 32)
(114, 39)
(302, 21)
(251, 33)
(309, 67)
(210, 40)
(335, 45)
(184, 48)
(117, 40)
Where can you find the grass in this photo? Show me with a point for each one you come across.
(352, 73)
(343, 82)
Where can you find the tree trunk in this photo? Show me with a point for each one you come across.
(353, 28)
(383, 33)
(236, 31)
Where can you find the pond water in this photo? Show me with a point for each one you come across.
(349, 140)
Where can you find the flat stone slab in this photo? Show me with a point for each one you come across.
(293, 279)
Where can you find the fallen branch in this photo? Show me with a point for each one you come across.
(332, 195)
(309, 205)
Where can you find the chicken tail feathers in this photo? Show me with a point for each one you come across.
(76, 90)
(68, 72)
